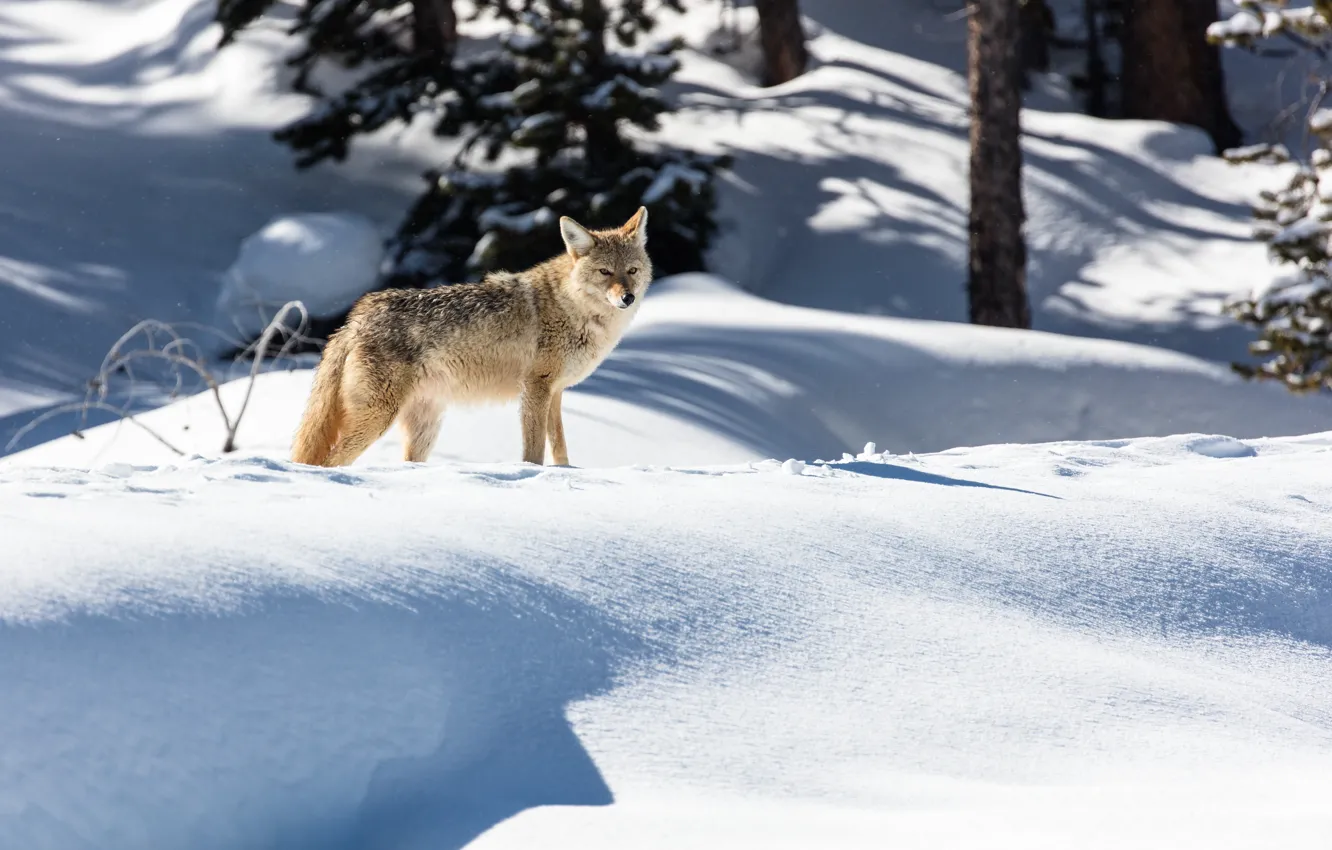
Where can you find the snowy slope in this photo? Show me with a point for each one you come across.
(1099, 645)
(138, 158)
(1108, 644)
(709, 374)
(851, 188)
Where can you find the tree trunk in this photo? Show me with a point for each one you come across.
(1096, 75)
(1170, 72)
(997, 274)
(783, 40)
(434, 27)
(1037, 22)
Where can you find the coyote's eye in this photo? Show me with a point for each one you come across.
(605, 272)
(633, 271)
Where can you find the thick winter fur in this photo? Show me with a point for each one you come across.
(407, 354)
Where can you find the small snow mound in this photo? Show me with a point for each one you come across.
(1219, 447)
(324, 260)
(693, 283)
(793, 467)
(116, 470)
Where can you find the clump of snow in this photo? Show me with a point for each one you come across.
(602, 98)
(324, 260)
(539, 123)
(496, 218)
(1321, 120)
(791, 466)
(1266, 153)
(1311, 225)
(1246, 23)
(521, 42)
(501, 102)
(670, 176)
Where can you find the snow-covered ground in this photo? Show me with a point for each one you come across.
(710, 374)
(703, 636)
(139, 158)
(1102, 645)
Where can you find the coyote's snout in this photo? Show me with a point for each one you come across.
(407, 354)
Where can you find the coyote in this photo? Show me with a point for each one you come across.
(406, 354)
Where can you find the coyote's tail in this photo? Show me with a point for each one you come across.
(319, 426)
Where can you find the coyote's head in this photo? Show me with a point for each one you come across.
(609, 265)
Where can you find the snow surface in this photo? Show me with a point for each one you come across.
(1103, 645)
(140, 157)
(324, 260)
(710, 374)
(708, 635)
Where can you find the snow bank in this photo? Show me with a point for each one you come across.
(1102, 645)
(324, 260)
(709, 374)
(850, 192)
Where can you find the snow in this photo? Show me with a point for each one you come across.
(536, 124)
(791, 466)
(1109, 644)
(497, 219)
(670, 176)
(852, 177)
(521, 42)
(1258, 153)
(1062, 588)
(1321, 120)
(1304, 228)
(324, 260)
(603, 96)
(649, 64)
(499, 102)
(709, 374)
(1247, 23)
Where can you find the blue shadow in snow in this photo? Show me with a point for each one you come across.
(307, 723)
(906, 473)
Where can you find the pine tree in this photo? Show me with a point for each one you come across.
(1293, 315)
(782, 39)
(996, 283)
(554, 91)
(553, 100)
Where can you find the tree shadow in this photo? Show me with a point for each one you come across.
(891, 241)
(311, 723)
(897, 472)
(901, 250)
(817, 392)
(114, 209)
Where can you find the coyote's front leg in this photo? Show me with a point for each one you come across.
(535, 410)
(559, 452)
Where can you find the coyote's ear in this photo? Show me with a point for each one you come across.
(576, 238)
(636, 227)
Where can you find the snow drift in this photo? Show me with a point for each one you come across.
(710, 374)
(1092, 644)
(323, 260)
